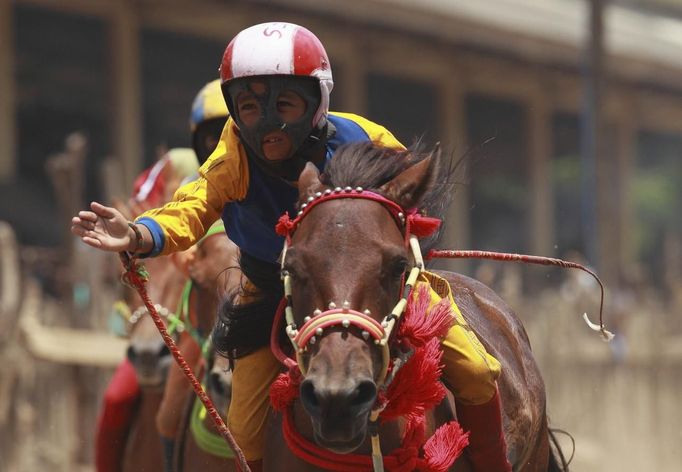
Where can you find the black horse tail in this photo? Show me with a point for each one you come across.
(557, 460)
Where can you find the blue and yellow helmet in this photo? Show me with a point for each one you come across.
(209, 104)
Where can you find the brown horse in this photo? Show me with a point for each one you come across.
(150, 358)
(214, 271)
(351, 251)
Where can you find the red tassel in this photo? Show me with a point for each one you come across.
(423, 226)
(445, 446)
(416, 387)
(284, 390)
(417, 326)
(284, 225)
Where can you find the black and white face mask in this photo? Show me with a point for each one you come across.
(299, 132)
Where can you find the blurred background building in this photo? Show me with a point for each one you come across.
(509, 84)
(501, 81)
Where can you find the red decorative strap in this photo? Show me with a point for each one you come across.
(422, 226)
(415, 223)
(284, 225)
(439, 452)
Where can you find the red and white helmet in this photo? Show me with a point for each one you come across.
(279, 49)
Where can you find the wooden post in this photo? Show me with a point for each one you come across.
(592, 129)
(541, 196)
(126, 80)
(626, 155)
(8, 163)
(66, 170)
(355, 77)
(457, 233)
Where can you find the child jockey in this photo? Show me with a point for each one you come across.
(276, 80)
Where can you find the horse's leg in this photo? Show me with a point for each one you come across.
(180, 463)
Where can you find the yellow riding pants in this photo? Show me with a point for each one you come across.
(469, 372)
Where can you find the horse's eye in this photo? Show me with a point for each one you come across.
(398, 267)
(290, 270)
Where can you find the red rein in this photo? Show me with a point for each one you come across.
(526, 259)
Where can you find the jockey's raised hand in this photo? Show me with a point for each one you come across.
(104, 228)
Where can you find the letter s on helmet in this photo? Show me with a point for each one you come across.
(280, 49)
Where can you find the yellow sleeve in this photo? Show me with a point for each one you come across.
(377, 133)
(223, 178)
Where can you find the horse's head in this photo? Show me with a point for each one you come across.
(345, 265)
(146, 350)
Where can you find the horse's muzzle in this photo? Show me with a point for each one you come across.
(339, 414)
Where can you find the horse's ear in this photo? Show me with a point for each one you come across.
(308, 181)
(408, 187)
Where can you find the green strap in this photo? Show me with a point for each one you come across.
(208, 441)
(175, 324)
(184, 314)
(183, 309)
(207, 348)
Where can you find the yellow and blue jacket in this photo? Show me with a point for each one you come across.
(249, 201)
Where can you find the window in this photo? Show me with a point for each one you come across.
(174, 68)
(498, 180)
(62, 87)
(657, 197)
(406, 107)
(566, 179)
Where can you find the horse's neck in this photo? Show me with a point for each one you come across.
(204, 305)
(143, 451)
(149, 401)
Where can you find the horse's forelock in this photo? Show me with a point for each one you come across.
(369, 165)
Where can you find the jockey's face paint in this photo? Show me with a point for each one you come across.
(274, 113)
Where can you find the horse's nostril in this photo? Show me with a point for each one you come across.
(164, 351)
(131, 354)
(350, 401)
(365, 393)
(308, 396)
(215, 382)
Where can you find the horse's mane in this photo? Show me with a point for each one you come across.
(369, 165)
